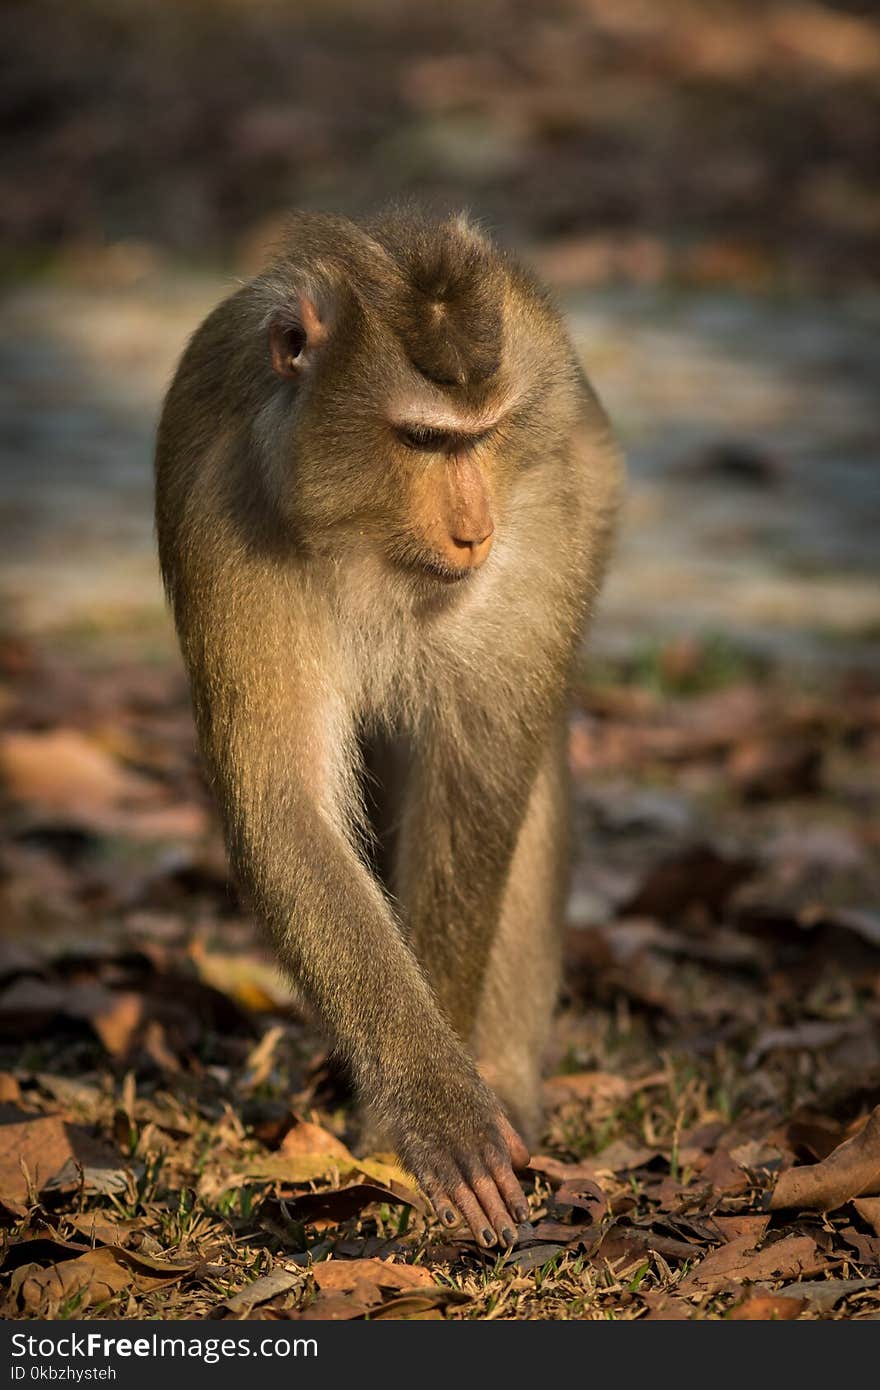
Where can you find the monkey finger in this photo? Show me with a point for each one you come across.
(481, 1226)
(519, 1154)
(495, 1207)
(444, 1207)
(514, 1198)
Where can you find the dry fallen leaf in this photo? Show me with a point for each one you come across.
(36, 1149)
(619, 1157)
(10, 1092)
(758, 1306)
(734, 1227)
(355, 1288)
(96, 1277)
(335, 1204)
(851, 1170)
(787, 1258)
(304, 1139)
(600, 1088)
(822, 1294)
(868, 1209)
(63, 770)
(580, 1195)
(62, 773)
(238, 1305)
(40, 1248)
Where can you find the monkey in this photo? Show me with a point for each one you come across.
(385, 496)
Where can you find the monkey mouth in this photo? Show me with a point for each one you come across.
(443, 574)
(429, 569)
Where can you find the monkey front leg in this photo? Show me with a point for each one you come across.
(335, 934)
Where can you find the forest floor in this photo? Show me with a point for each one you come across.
(174, 1144)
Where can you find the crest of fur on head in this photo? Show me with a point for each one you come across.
(449, 318)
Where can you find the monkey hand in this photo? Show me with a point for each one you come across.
(463, 1150)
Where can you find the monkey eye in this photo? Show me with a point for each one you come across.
(423, 437)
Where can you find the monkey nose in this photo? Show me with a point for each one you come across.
(469, 551)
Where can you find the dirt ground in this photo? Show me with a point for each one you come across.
(173, 1143)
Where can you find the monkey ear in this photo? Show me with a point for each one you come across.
(294, 335)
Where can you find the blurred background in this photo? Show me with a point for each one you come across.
(697, 180)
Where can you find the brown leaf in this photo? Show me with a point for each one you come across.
(618, 1157)
(40, 1249)
(238, 1305)
(562, 1233)
(96, 1277)
(809, 1035)
(62, 773)
(822, 1294)
(868, 1209)
(117, 1019)
(581, 1194)
(100, 1227)
(664, 1307)
(43, 1146)
(725, 1175)
(818, 1135)
(345, 1275)
(787, 1258)
(602, 1088)
(427, 1303)
(341, 1203)
(307, 1152)
(758, 1306)
(851, 1170)
(734, 1227)
(534, 1257)
(867, 1248)
(764, 769)
(31, 1007)
(10, 1092)
(354, 1288)
(63, 770)
(627, 1243)
(305, 1138)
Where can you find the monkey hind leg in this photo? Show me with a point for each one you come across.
(522, 978)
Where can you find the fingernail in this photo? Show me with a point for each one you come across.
(487, 1236)
(507, 1235)
(522, 1213)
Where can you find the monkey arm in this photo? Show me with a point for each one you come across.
(289, 832)
(279, 756)
(335, 934)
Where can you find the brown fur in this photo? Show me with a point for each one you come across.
(301, 542)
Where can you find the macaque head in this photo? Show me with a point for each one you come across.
(390, 419)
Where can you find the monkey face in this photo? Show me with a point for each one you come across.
(382, 460)
(407, 402)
